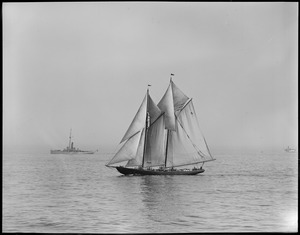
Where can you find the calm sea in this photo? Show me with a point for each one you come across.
(78, 194)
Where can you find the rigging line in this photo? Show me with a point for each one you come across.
(198, 150)
(151, 124)
(207, 146)
(197, 125)
(201, 131)
(176, 117)
(186, 103)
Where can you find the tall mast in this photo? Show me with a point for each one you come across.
(168, 132)
(167, 142)
(70, 140)
(146, 126)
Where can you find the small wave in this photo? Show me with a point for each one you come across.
(46, 224)
(240, 175)
(194, 216)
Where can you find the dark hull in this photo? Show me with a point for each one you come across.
(130, 171)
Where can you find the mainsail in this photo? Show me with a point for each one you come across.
(167, 134)
(154, 154)
(187, 145)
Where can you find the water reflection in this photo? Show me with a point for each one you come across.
(125, 204)
(156, 201)
(161, 199)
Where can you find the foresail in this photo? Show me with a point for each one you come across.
(137, 161)
(138, 122)
(128, 150)
(166, 105)
(155, 151)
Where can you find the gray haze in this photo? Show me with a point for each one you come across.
(86, 66)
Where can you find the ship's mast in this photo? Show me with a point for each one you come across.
(168, 132)
(70, 140)
(146, 126)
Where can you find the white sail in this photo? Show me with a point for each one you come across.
(154, 154)
(180, 149)
(188, 119)
(153, 110)
(187, 145)
(137, 161)
(179, 98)
(138, 121)
(128, 150)
(166, 105)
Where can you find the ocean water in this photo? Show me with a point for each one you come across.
(78, 194)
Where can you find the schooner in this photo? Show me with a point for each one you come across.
(163, 138)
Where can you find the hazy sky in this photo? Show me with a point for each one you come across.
(86, 66)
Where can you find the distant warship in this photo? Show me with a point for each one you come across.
(71, 149)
